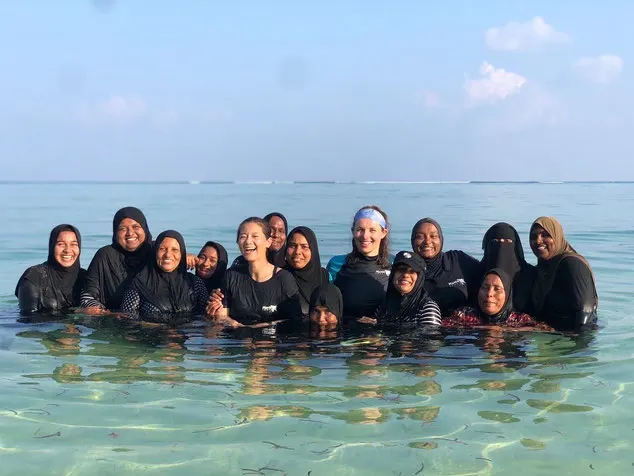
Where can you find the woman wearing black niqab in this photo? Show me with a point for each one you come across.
(114, 266)
(503, 250)
(54, 285)
(311, 274)
(214, 281)
(451, 277)
(164, 288)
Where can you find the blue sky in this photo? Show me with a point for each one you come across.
(328, 90)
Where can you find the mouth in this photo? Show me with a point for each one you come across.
(67, 258)
(365, 244)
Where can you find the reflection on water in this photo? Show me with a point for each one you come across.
(153, 399)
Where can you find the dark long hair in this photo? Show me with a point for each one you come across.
(383, 259)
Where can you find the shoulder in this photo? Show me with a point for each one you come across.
(196, 280)
(463, 258)
(286, 277)
(334, 265)
(574, 265)
(35, 272)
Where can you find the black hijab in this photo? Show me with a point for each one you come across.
(277, 258)
(221, 267)
(396, 306)
(61, 281)
(168, 292)
(506, 256)
(113, 268)
(435, 264)
(328, 296)
(311, 275)
(502, 316)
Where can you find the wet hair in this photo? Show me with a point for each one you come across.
(266, 229)
(383, 259)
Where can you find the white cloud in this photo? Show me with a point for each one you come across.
(516, 36)
(600, 69)
(120, 107)
(496, 84)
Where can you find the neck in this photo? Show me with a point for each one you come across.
(261, 270)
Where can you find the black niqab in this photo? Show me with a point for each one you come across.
(311, 275)
(113, 268)
(168, 292)
(61, 281)
(506, 256)
(215, 281)
(398, 306)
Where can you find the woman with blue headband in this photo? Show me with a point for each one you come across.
(363, 274)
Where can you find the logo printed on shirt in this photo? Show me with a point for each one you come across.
(269, 309)
(458, 282)
(383, 271)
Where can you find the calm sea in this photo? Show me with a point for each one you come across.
(86, 396)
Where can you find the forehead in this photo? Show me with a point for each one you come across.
(66, 235)
(209, 251)
(404, 268)
(493, 280)
(298, 238)
(251, 228)
(128, 222)
(169, 242)
(427, 228)
(276, 222)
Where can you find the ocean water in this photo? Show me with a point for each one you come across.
(89, 396)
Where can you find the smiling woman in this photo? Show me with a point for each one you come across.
(54, 285)
(114, 266)
(164, 291)
(262, 293)
(363, 274)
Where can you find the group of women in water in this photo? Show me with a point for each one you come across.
(278, 278)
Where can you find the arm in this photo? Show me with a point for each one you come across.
(28, 297)
(334, 265)
(91, 292)
(428, 314)
(290, 307)
(580, 291)
(131, 304)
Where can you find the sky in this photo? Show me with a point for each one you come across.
(134, 90)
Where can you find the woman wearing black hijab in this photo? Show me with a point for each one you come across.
(164, 288)
(325, 310)
(451, 277)
(303, 262)
(54, 285)
(503, 250)
(406, 302)
(494, 306)
(276, 254)
(212, 265)
(114, 266)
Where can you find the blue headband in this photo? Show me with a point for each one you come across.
(371, 214)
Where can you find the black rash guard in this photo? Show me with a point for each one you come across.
(251, 302)
(571, 301)
(362, 284)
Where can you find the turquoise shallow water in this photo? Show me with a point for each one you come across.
(85, 396)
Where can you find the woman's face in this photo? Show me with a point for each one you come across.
(427, 243)
(542, 243)
(278, 233)
(321, 317)
(252, 242)
(207, 262)
(130, 234)
(298, 252)
(66, 249)
(491, 296)
(404, 279)
(367, 235)
(168, 255)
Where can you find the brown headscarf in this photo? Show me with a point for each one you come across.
(547, 269)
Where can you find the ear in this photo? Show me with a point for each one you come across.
(269, 240)
(384, 232)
